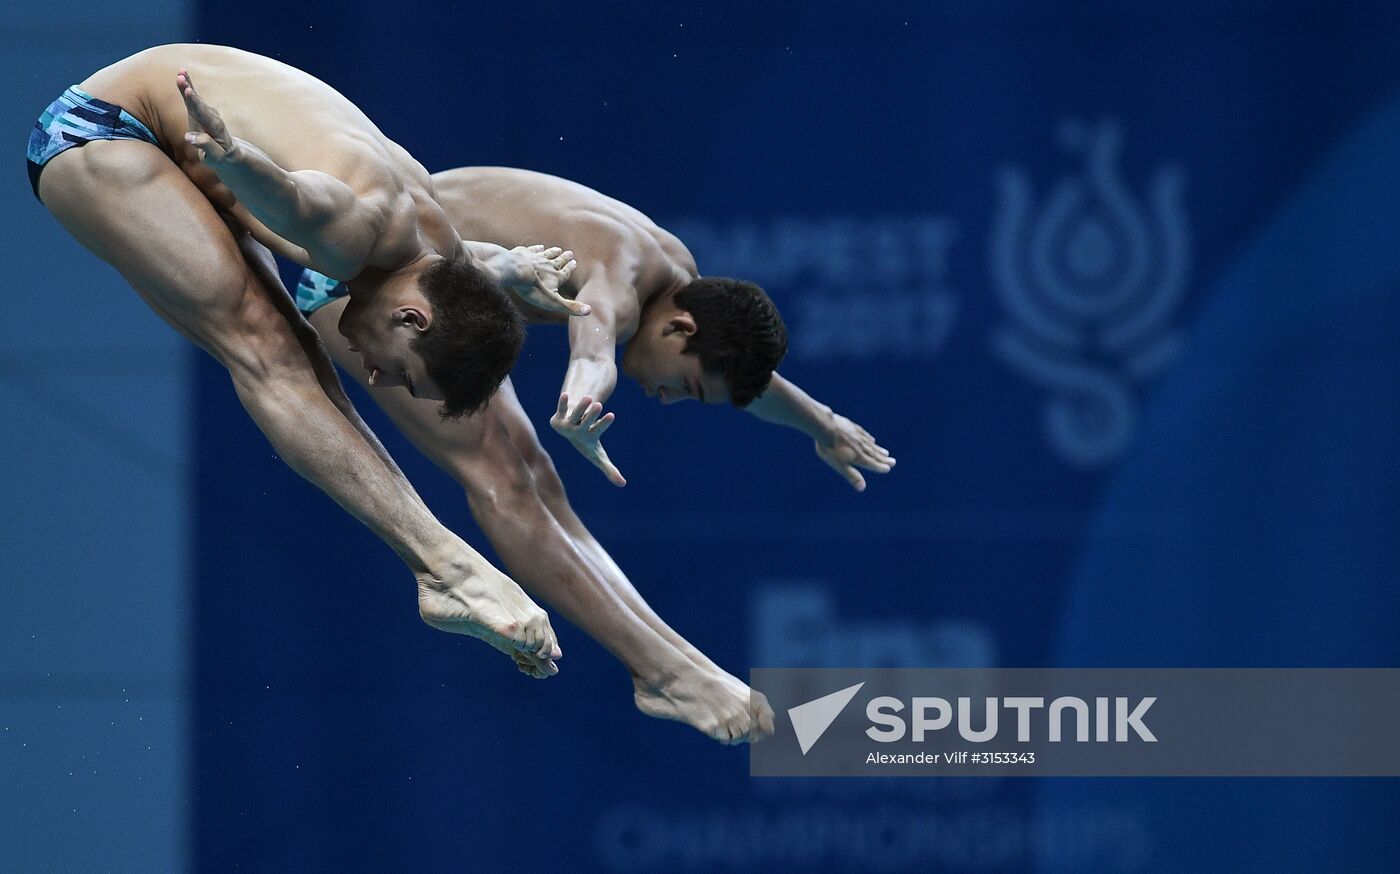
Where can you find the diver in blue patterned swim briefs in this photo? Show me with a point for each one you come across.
(189, 202)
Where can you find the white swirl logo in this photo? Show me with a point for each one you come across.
(1090, 283)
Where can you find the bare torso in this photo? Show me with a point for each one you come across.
(299, 121)
(611, 240)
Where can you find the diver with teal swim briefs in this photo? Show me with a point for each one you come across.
(684, 336)
(315, 290)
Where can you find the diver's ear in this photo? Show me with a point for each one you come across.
(682, 322)
(412, 317)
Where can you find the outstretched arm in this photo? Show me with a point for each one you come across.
(312, 210)
(840, 442)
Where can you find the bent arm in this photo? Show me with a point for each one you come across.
(592, 370)
(308, 208)
(592, 373)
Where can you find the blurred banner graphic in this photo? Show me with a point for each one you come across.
(1090, 285)
(1117, 284)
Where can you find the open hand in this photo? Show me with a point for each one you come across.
(208, 133)
(848, 446)
(584, 427)
(536, 273)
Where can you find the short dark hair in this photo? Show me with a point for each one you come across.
(738, 333)
(474, 338)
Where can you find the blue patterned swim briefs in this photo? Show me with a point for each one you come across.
(76, 119)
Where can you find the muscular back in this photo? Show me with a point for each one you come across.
(299, 121)
(612, 241)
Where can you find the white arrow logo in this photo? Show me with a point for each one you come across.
(811, 720)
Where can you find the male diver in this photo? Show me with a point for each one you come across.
(713, 340)
(143, 171)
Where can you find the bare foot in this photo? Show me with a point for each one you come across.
(716, 704)
(759, 707)
(486, 604)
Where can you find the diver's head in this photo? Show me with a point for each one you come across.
(716, 340)
(444, 331)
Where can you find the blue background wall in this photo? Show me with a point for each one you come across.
(1115, 282)
(96, 473)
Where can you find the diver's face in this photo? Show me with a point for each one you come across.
(383, 336)
(667, 373)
